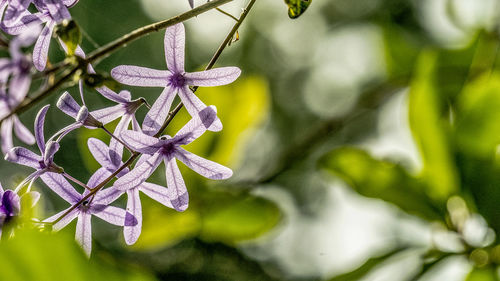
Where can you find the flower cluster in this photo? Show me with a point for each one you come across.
(145, 140)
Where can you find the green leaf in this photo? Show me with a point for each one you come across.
(33, 255)
(297, 7)
(482, 274)
(236, 218)
(380, 179)
(367, 267)
(430, 128)
(478, 117)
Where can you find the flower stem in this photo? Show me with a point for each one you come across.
(76, 181)
(117, 139)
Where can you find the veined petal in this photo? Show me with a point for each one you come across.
(98, 176)
(158, 113)
(68, 105)
(140, 76)
(109, 114)
(22, 23)
(111, 95)
(110, 214)
(156, 192)
(19, 86)
(57, 10)
(22, 132)
(41, 49)
(213, 77)
(100, 151)
(133, 217)
(139, 174)
(107, 196)
(196, 126)
(174, 47)
(61, 187)
(23, 156)
(115, 147)
(39, 124)
(194, 105)
(83, 233)
(141, 142)
(177, 191)
(65, 220)
(202, 166)
(6, 136)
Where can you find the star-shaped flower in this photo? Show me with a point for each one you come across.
(106, 157)
(97, 205)
(167, 149)
(174, 81)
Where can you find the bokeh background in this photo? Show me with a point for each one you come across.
(363, 135)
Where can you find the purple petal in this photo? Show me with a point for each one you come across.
(100, 151)
(141, 142)
(22, 23)
(107, 196)
(68, 105)
(110, 214)
(11, 204)
(61, 187)
(140, 76)
(109, 114)
(70, 3)
(57, 10)
(23, 156)
(202, 166)
(191, 3)
(156, 192)
(194, 105)
(39, 124)
(177, 191)
(139, 174)
(51, 149)
(133, 219)
(111, 95)
(174, 47)
(64, 221)
(22, 132)
(83, 233)
(115, 147)
(158, 113)
(19, 86)
(41, 49)
(213, 77)
(6, 135)
(98, 176)
(196, 126)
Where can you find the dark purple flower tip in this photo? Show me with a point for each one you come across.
(11, 204)
(130, 220)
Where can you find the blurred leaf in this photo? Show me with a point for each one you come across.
(367, 267)
(478, 117)
(234, 219)
(297, 7)
(70, 34)
(32, 255)
(380, 179)
(430, 131)
(482, 274)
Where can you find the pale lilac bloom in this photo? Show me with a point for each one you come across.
(167, 149)
(107, 158)
(97, 205)
(174, 81)
(16, 17)
(46, 169)
(15, 72)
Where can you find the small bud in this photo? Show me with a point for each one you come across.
(83, 113)
(69, 32)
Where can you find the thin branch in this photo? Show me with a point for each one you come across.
(117, 139)
(76, 181)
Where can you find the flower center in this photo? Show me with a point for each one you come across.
(177, 80)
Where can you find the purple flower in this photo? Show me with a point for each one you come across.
(16, 73)
(46, 169)
(16, 14)
(107, 158)
(10, 206)
(167, 149)
(96, 205)
(174, 81)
